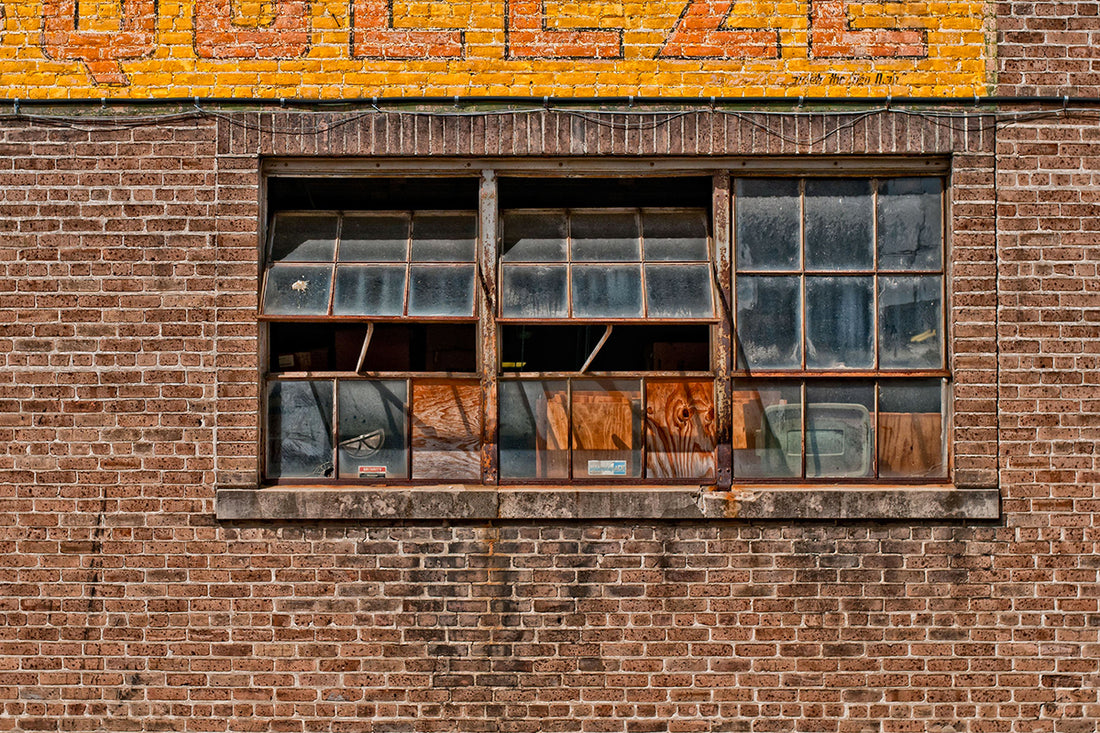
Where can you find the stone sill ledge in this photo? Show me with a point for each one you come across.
(459, 502)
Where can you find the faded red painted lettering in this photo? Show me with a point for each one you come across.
(529, 37)
(701, 31)
(832, 36)
(373, 35)
(219, 35)
(101, 51)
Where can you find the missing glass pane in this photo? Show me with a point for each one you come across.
(629, 348)
(394, 347)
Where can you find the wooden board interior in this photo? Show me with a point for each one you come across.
(552, 456)
(680, 429)
(446, 430)
(910, 444)
(603, 429)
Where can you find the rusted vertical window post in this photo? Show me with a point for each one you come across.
(724, 341)
(487, 326)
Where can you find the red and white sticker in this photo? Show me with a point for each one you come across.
(372, 472)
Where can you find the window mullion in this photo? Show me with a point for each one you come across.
(724, 354)
(488, 356)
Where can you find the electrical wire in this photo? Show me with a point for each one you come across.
(631, 118)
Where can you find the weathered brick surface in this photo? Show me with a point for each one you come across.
(129, 390)
(1048, 48)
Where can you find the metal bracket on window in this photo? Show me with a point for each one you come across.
(596, 350)
(366, 345)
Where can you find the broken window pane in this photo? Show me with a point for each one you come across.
(369, 290)
(299, 429)
(446, 430)
(303, 238)
(372, 437)
(297, 290)
(910, 224)
(680, 429)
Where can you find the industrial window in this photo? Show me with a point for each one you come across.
(530, 329)
(839, 320)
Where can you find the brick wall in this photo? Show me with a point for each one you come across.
(128, 392)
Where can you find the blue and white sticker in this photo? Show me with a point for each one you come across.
(607, 468)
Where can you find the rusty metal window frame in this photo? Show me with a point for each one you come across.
(724, 369)
(805, 377)
(329, 471)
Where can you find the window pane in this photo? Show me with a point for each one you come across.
(839, 437)
(768, 218)
(839, 325)
(769, 322)
(910, 423)
(533, 292)
(534, 429)
(382, 238)
(605, 237)
(534, 237)
(607, 291)
(678, 291)
(838, 224)
(369, 291)
(910, 322)
(441, 291)
(299, 429)
(910, 228)
(372, 433)
(446, 430)
(680, 429)
(766, 422)
(444, 237)
(297, 290)
(607, 428)
(675, 235)
(303, 238)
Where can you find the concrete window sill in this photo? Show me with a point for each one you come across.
(477, 502)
